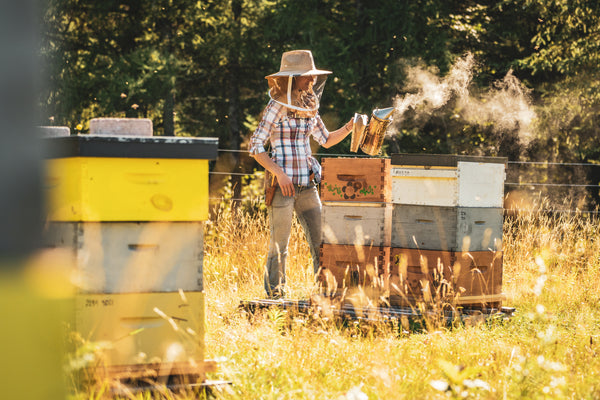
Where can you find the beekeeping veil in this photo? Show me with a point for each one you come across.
(299, 84)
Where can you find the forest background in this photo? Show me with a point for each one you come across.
(512, 78)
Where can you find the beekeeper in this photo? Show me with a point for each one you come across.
(289, 120)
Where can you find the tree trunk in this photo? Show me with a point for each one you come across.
(234, 112)
(168, 119)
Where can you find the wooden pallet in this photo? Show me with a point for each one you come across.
(156, 370)
(348, 311)
(125, 380)
(207, 387)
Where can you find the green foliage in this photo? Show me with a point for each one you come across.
(251, 194)
(567, 38)
(169, 61)
(569, 119)
(197, 68)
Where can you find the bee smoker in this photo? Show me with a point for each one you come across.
(369, 136)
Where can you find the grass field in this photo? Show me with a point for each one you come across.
(547, 350)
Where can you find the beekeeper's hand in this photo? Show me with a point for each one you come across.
(286, 184)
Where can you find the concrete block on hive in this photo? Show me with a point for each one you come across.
(121, 126)
(54, 131)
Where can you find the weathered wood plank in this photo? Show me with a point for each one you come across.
(356, 179)
(447, 228)
(128, 257)
(424, 227)
(347, 265)
(362, 224)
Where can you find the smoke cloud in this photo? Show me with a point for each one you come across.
(506, 105)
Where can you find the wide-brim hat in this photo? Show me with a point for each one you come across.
(298, 63)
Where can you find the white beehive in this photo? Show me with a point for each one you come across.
(133, 257)
(448, 181)
(360, 224)
(424, 186)
(480, 184)
(447, 228)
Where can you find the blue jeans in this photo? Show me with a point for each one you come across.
(307, 205)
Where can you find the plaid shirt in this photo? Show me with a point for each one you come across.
(290, 142)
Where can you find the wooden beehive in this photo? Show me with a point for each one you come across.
(131, 209)
(141, 328)
(133, 257)
(478, 274)
(349, 266)
(446, 228)
(356, 179)
(352, 223)
(128, 178)
(456, 278)
(448, 180)
(418, 275)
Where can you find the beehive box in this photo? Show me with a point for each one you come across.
(462, 278)
(347, 265)
(448, 180)
(362, 224)
(478, 273)
(416, 275)
(133, 257)
(128, 178)
(159, 332)
(356, 179)
(446, 228)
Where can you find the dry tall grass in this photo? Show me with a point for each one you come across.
(236, 246)
(549, 349)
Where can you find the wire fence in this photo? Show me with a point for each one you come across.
(510, 171)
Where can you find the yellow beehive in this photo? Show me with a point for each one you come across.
(158, 334)
(131, 209)
(103, 178)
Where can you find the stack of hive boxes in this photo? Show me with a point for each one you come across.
(422, 226)
(357, 217)
(131, 206)
(447, 228)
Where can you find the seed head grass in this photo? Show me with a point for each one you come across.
(548, 349)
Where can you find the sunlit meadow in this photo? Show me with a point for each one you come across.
(548, 349)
